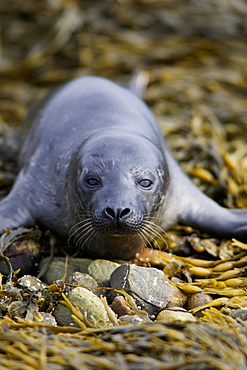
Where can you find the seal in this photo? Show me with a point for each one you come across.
(95, 169)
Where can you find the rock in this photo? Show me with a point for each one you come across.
(120, 306)
(57, 268)
(101, 271)
(131, 319)
(240, 313)
(88, 303)
(152, 289)
(84, 280)
(22, 255)
(198, 299)
(48, 319)
(172, 316)
(177, 299)
(32, 283)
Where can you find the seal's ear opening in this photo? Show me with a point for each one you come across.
(139, 82)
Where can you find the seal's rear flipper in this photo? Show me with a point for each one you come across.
(207, 216)
(187, 205)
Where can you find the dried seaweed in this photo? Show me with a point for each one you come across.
(194, 54)
(217, 342)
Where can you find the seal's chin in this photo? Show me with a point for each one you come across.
(115, 246)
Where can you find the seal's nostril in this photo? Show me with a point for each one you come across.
(124, 212)
(119, 213)
(109, 212)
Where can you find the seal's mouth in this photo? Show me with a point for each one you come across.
(117, 235)
(121, 230)
(99, 236)
(118, 229)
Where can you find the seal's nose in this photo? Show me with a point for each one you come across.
(117, 214)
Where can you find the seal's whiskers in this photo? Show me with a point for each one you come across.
(154, 231)
(82, 231)
(77, 227)
(90, 237)
(144, 237)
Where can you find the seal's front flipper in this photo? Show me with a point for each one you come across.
(14, 214)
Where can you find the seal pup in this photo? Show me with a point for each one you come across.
(95, 168)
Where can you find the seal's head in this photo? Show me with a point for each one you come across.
(119, 182)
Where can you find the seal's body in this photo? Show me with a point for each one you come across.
(95, 168)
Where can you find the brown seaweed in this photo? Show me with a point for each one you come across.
(194, 54)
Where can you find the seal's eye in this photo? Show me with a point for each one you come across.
(145, 183)
(92, 182)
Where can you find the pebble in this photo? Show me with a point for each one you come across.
(177, 299)
(57, 268)
(120, 306)
(48, 319)
(32, 283)
(172, 316)
(240, 313)
(88, 303)
(101, 271)
(21, 254)
(84, 280)
(198, 299)
(148, 286)
(130, 319)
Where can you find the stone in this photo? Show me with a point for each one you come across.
(84, 280)
(148, 286)
(173, 316)
(198, 299)
(131, 319)
(177, 299)
(88, 303)
(120, 306)
(32, 283)
(240, 313)
(22, 255)
(48, 319)
(57, 268)
(101, 271)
